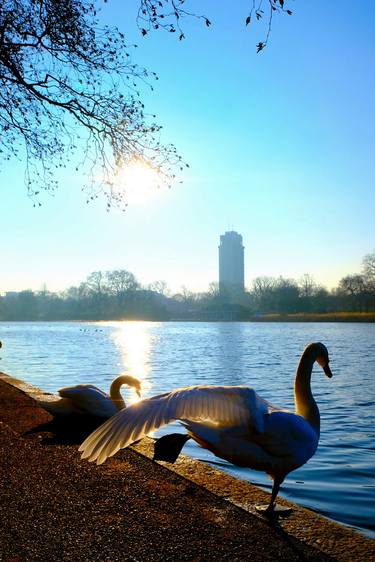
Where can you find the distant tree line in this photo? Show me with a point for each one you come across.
(103, 295)
(118, 295)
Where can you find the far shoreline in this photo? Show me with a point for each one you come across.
(358, 317)
(332, 317)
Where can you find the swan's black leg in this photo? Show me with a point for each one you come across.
(275, 490)
(271, 511)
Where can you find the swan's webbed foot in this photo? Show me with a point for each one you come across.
(168, 447)
(273, 511)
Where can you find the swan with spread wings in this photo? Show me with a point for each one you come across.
(233, 422)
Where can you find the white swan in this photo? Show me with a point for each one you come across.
(87, 399)
(233, 422)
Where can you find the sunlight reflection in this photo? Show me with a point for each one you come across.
(134, 342)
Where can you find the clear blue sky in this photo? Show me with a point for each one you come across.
(280, 145)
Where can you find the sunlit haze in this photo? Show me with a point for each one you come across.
(280, 147)
(139, 183)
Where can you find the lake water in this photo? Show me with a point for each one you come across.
(337, 482)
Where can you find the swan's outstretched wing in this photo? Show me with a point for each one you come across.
(227, 406)
(88, 399)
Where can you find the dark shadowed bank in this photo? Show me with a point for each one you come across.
(54, 506)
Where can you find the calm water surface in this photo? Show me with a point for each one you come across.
(337, 482)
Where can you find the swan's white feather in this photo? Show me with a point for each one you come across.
(226, 406)
(79, 389)
(89, 399)
(230, 445)
(286, 442)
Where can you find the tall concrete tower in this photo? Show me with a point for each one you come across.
(231, 264)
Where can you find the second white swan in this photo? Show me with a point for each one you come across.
(89, 400)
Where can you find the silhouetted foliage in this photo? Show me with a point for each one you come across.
(170, 14)
(69, 86)
(118, 295)
(368, 270)
(357, 291)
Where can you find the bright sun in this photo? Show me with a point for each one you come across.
(139, 182)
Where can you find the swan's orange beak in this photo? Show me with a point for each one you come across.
(327, 371)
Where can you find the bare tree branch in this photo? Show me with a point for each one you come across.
(68, 86)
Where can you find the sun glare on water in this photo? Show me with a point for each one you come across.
(134, 342)
(139, 183)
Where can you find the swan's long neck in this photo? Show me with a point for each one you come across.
(115, 394)
(303, 398)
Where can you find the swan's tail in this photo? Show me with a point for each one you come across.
(168, 447)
